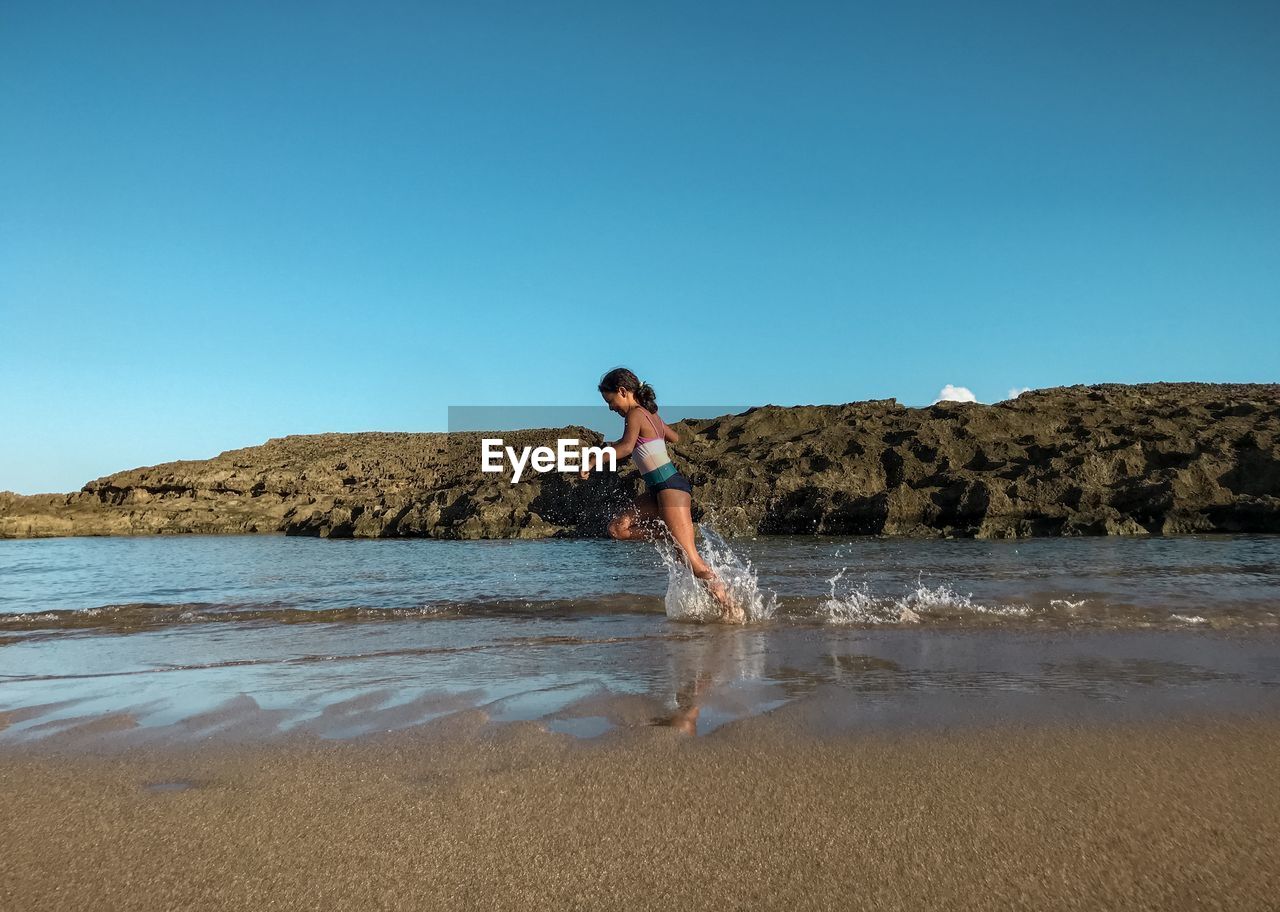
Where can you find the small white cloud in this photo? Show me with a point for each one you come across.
(1016, 391)
(951, 393)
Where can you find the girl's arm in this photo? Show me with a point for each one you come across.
(670, 433)
(630, 434)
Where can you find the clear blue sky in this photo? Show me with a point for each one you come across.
(223, 222)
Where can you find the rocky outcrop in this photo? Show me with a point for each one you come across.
(1084, 460)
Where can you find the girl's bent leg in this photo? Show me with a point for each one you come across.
(639, 522)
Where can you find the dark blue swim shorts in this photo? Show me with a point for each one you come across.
(676, 482)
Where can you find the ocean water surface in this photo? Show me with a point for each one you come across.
(194, 636)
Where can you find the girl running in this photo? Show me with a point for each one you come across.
(664, 507)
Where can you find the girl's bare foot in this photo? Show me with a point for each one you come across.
(732, 613)
(729, 611)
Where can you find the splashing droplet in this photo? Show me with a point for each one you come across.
(687, 597)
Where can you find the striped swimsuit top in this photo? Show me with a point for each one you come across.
(650, 456)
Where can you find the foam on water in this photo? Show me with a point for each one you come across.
(687, 598)
(857, 604)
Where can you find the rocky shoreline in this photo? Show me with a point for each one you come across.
(1162, 458)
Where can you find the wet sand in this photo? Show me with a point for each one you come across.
(1175, 814)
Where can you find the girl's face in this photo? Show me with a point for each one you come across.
(620, 401)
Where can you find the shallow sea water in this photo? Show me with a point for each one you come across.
(193, 636)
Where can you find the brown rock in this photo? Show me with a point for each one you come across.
(1164, 458)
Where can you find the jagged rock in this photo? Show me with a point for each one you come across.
(1164, 458)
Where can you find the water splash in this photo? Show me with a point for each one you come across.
(687, 597)
(1068, 605)
(857, 604)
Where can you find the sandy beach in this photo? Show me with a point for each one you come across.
(461, 813)
(1066, 724)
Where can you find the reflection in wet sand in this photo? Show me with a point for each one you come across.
(723, 668)
(639, 672)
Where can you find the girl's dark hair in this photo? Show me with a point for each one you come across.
(622, 379)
